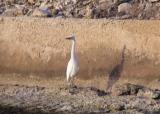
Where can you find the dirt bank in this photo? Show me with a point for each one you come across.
(37, 45)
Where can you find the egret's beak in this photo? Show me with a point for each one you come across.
(69, 38)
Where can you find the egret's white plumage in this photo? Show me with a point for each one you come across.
(72, 67)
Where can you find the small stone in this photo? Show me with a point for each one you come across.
(116, 107)
(54, 12)
(149, 93)
(124, 8)
(66, 108)
(46, 11)
(31, 1)
(89, 12)
(59, 15)
(13, 12)
(154, 0)
(120, 1)
(10, 1)
(125, 17)
(41, 13)
(45, 8)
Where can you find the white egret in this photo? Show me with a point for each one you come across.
(73, 66)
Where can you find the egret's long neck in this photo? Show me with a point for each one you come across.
(73, 49)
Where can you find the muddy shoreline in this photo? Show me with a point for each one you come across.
(23, 99)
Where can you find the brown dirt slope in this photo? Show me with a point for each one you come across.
(34, 45)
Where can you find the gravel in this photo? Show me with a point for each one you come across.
(90, 9)
(61, 100)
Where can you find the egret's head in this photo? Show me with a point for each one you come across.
(70, 38)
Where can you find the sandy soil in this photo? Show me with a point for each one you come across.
(100, 82)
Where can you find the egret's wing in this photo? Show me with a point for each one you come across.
(69, 70)
(75, 67)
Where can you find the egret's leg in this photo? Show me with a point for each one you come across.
(71, 82)
(68, 84)
(74, 78)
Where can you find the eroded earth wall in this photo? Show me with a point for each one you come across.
(38, 45)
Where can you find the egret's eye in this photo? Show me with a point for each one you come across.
(69, 38)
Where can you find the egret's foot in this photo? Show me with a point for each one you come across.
(73, 90)
(74, 86)
(69, 86)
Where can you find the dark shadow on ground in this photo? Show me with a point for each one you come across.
(76, 90)
(17, 110)
(115, 73)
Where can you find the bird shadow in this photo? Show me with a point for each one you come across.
(116, 72)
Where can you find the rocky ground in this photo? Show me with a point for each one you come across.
(126, 98)
(110, 9)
